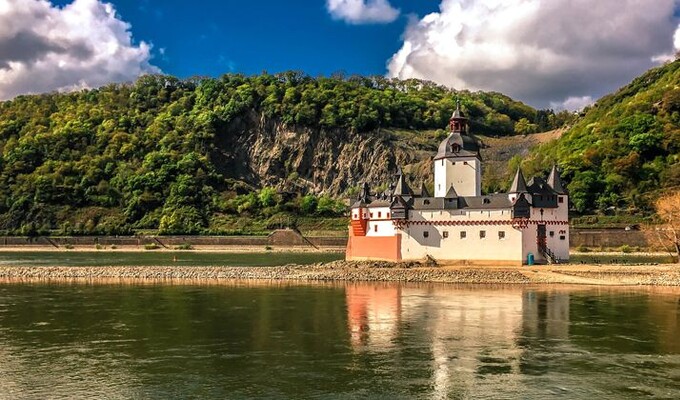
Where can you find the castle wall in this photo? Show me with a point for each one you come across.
(386, 248)
(446, 245)
(380, 223)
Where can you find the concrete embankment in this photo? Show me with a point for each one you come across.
(664, 275)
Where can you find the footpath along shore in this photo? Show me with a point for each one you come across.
(611, 275)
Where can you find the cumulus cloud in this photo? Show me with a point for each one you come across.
(362, 11)
(539, 51)
(84, 44)
(572, 103)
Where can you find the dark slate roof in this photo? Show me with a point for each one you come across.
(401, 188)
(457, 113)
(364, 197)
(451, 193)
(379, 203)
(540, 186)
(399, 202)
(423, 191)
(434, 203)
(488, 202)
(457, 145)
(555, 181)
(519, 185)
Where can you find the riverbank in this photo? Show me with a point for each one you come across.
(610, 275)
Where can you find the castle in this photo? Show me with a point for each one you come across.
(459, 225)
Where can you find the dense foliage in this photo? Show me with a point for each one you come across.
(138, 156)
(625, 151)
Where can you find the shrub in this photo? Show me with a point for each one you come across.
(583, 249)
(151, 246)
(626, 249)
(68, 246)
(114, 247)
(184, 246)
(98, 246)
(268, 247)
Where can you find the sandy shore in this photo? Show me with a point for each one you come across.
(610, 275)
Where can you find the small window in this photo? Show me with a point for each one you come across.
(501, 235)
(354, 216)
(426, 234)
(463, 234)
(445, 234)
(560, 199)
(426, 201)
(379, 214)
(375, 228)
(563, 238)
(465, 163)
(552, 233)
(388, 215)
(482, 234)
(371, 215)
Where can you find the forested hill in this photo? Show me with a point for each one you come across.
(176, 153)
(625, 151)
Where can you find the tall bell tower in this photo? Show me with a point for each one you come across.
(458, 164)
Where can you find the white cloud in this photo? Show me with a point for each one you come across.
(539, 51)
(572, 103)
(84, 44)
(362, 11)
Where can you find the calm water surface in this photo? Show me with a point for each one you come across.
(243, 340)
(180, 258)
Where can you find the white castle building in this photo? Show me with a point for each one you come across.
(459, 225)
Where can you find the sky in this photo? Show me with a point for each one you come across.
(548, 53)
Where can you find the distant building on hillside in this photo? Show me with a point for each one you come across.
(458, 224)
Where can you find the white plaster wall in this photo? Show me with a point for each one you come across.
(529, 244)
(415, 246)
(465, 173)
(380, 223)
(555, 244)
(380, 228)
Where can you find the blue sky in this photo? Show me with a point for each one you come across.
(212, 37)
(547, 53)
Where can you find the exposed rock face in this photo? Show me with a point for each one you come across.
(263, 152)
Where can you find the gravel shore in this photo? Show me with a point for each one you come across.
(661, 275)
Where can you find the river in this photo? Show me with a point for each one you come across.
(246, 339)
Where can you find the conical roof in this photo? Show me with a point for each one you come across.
(451, 194)
(423, 191)
(401, 188)
(555, 181)
(519, 185)
(457, 113)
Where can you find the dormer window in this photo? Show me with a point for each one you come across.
(455, 147)
(486, 201)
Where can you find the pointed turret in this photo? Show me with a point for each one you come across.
(423, 191)
(555, 181)
(451, 194)
(519, 185)
(401, 188)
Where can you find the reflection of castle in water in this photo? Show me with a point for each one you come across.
(468, 332)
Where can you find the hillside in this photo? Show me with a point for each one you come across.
(625, 150)
(211, 155)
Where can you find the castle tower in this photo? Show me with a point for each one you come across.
(457, 164)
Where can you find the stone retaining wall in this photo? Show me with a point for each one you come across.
(595, 238)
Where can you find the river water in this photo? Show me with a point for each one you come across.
(343, 341)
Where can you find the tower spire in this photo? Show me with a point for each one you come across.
(555, 181)
(519, 185)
